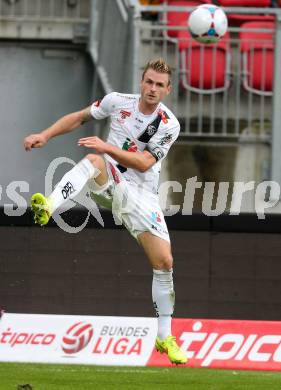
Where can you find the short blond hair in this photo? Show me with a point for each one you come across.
(160, 66)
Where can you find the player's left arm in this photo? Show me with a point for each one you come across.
(161, 142)
(141, 161)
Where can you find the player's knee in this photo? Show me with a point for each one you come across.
(165, 262)
(96, 160)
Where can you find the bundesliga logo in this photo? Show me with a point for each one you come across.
(77, 337)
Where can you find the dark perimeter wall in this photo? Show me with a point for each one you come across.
(220, 272)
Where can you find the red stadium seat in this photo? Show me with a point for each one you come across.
(204, 68)
(245, 3)
(257, 57)
(238, 19)
(176, 18)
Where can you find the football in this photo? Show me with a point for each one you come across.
(207, 23)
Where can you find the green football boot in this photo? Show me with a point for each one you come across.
(41, 208)
(171, 348)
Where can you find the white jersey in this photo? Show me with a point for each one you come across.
(133, 131)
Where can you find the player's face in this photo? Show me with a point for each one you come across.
(154, 87)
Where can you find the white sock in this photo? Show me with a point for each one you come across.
(72, 183)
(164, 326)
(163, 296)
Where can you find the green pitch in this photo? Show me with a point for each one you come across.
(74, 377)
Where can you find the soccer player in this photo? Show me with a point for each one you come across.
(125, 170)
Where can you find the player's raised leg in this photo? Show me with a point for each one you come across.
(159, 254)
(69, 186)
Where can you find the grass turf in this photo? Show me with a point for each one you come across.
(74, 377)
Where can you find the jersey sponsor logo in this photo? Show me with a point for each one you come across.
(166, 139)
(125, 114)
(67, 190)
(164, 116)
(128, 97)
(129, 146)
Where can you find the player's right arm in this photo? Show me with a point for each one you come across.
(64, 125)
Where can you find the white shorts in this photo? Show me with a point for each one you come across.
(137, 209)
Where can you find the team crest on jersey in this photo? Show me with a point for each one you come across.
(125, 114)
(151, 130)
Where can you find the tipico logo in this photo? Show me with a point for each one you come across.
(77, 337)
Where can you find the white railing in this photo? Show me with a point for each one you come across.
(230, 104)
(45, 10)
(45, 19)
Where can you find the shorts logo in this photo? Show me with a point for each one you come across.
(77, 337)
(125, 114)
(156, 222)
(156, 217)
(67, 190)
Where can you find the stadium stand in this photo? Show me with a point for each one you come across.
(237, 19)
(204, 69)
(45, 19)
(257, 50)
(176, 18)
(245, 3)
